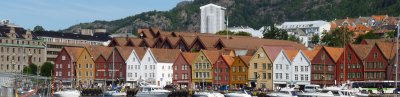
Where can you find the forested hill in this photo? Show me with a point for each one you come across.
(254, 13)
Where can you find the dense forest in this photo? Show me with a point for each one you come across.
(253, 13)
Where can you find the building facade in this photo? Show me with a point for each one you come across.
(301, 65)
(261, 65)
(221, 71)
(282, 68)
(323, 71)
(65, 65)
(239, 72)
(85, 68)
(182, 70)
(132, 64)
(212, 18)
(19, 48)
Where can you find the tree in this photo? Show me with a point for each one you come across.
(46, 69)
(315, 39)
(390, 34)
(241, 33)
(369, 35)
(38, 28)
(338, 37)
(225, 32)
(293, 38)
(31, 69)
(275, 33)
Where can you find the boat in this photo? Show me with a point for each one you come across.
(67, 93)
(285, 92)
(242, 93)
(208, 94)
(330, 92)
(152, 91)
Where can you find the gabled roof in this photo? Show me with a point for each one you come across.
(140, 51)
(334, 52)
(212, 55)
(291, 53)
(188, 40)
(254, 43)
(124, 51)
(121, 41)
(97, 51)
(136, 41)
(208, 41)
(310, 54)
(146, 33)
(173, 41)
(361, 50)
(273, 51)
(246, 59)
(388, 49)
(228, 59)
(189, 57)
(150, 41)
(74, 52)
(106, 52)
(165, 55)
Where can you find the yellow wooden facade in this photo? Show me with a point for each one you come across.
(260, 70)
(85, 68)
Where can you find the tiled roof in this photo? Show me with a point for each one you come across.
(121, 41)
(124, 51)
(379, 17)
(388, 49)
(106, 52)
(188, 40)
(150, 41)
(20, 32)
(136, 41)
(146, 32)
(95, 51)
(246, 59)
(212, 55)
(361, 50)
(334, 52)
(208, 41)
(74, 52)
(291, 53)
(273, 51)
(189, 57)
(165, 55)
(173, 41)
(140, 51)
(310, 54)
(228, 59)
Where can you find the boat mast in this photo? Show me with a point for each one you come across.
(113, 67)
(397, 53)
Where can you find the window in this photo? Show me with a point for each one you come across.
(264, 76)
(269, 75)
(255, 65)
(296, 68)
(306, 68)
(129, 74)
(276, 76)
(296, 77)
(375, 55)
(145, 66)
(287, 75)
(280, 66)
(269, 66)
(301, 77)
(62, 57)
(56, 65)
(287, 67)
(301, 68)
(264, 66)
(255, 75)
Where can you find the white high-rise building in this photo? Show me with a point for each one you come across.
(212, 18)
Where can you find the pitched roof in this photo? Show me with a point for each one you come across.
(150, 41)
(334, 52)
(136, 41)
(96, 51)
(212, 55)
(173, 41)
(228, 59)
(388, 49)
(165, 55)
(188, 40)
(121, 41)
(106, 52)
(246, 59)
(124, 51)
(140, 51)
(361, 50)
(208, 41)
(291, 53)
(93, 37)
(310, 54)
(273, 51)
(74, 52)
(189, 56)
(146, 32)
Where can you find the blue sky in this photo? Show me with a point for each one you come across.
(60, 14)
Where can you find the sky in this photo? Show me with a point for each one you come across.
(61, 14)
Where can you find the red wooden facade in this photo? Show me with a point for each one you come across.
(119, 66)
(375, 65)
(221, 71)
(323, 71)
(65, 65)
(350, 65)
(182, 70)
